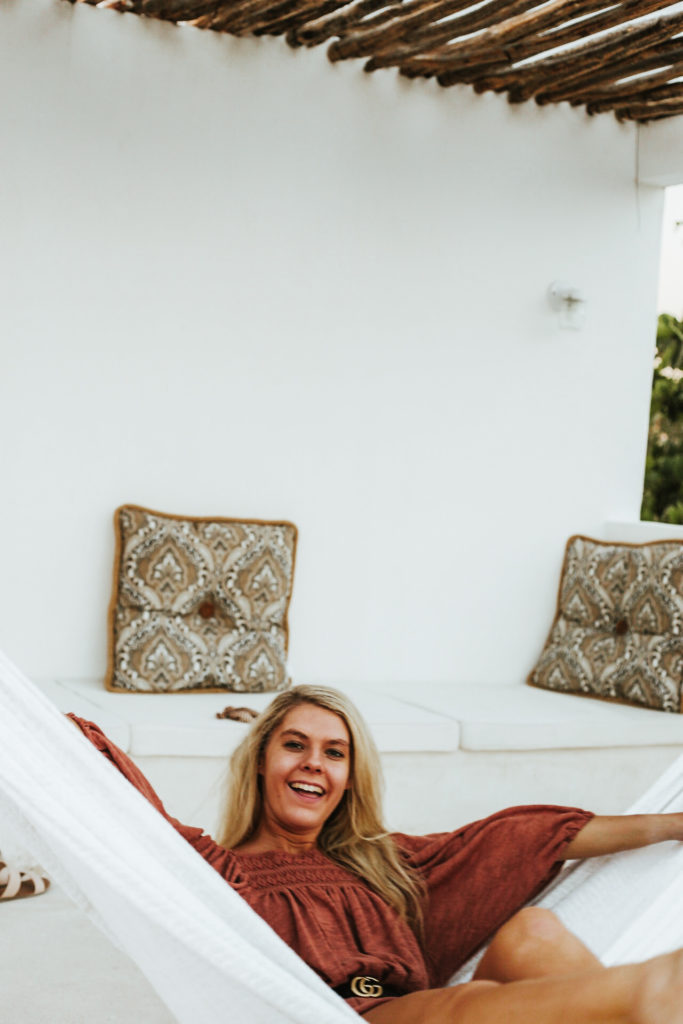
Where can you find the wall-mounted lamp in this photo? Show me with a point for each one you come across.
(569, 303)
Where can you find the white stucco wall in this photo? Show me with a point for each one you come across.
(670, 295)
(238, 280)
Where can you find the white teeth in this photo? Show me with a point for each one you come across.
(304, 787)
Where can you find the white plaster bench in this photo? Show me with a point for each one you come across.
(451, 753)
(518, 744)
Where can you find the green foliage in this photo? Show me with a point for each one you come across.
(670, 341)
(663, 490)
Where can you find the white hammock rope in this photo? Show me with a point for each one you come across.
(207, 954)
(628, 907)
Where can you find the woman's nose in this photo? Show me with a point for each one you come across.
(313, 761)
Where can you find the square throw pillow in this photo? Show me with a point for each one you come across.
(618, 628)
(199, 604)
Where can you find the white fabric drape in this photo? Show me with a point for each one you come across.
(207, 954)
(629, 906)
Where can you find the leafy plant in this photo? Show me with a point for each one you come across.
(663, 488)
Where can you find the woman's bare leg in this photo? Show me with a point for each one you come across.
(534, 944)
(649, 993)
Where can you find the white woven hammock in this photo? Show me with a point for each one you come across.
(200, 945)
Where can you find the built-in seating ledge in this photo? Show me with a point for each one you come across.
(451, 753)
(640, 531)
(404, 718)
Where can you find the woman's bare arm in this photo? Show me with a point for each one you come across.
(606, 834)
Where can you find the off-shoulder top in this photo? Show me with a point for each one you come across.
(475, 878)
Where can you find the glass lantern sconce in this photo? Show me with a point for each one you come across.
(570, 305)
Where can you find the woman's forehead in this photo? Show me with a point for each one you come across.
(316, 722)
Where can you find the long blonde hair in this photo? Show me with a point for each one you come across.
(354, 835)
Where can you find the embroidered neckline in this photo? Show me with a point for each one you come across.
(282, 857)
(276, 869)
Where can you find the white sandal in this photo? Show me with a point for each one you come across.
(18, 885)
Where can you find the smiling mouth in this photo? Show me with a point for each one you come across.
(307, 788)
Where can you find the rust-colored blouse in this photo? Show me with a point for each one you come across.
(475, 878)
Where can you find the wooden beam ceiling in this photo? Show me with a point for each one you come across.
(624, 56)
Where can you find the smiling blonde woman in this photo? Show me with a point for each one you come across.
(385, 920)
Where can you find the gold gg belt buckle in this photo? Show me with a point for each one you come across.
(369, 988)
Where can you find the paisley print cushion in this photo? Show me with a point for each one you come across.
(618, 629)
(199, 604)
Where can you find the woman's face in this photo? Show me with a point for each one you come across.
(305, 770)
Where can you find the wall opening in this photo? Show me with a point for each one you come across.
(663, 483)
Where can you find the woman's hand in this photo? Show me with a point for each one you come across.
(607, 834)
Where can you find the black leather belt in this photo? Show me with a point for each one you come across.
(364, 987)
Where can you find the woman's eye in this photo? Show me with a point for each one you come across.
(333, 752)
(293, 745)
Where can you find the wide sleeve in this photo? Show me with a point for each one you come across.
(221, 859)
(478, 877)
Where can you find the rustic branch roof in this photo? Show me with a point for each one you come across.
(624, 56)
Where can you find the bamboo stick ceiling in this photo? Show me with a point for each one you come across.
(624, 56)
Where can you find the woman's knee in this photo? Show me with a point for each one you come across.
(536, 923)
(534, 944)
(521, 942)
(530, 927)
